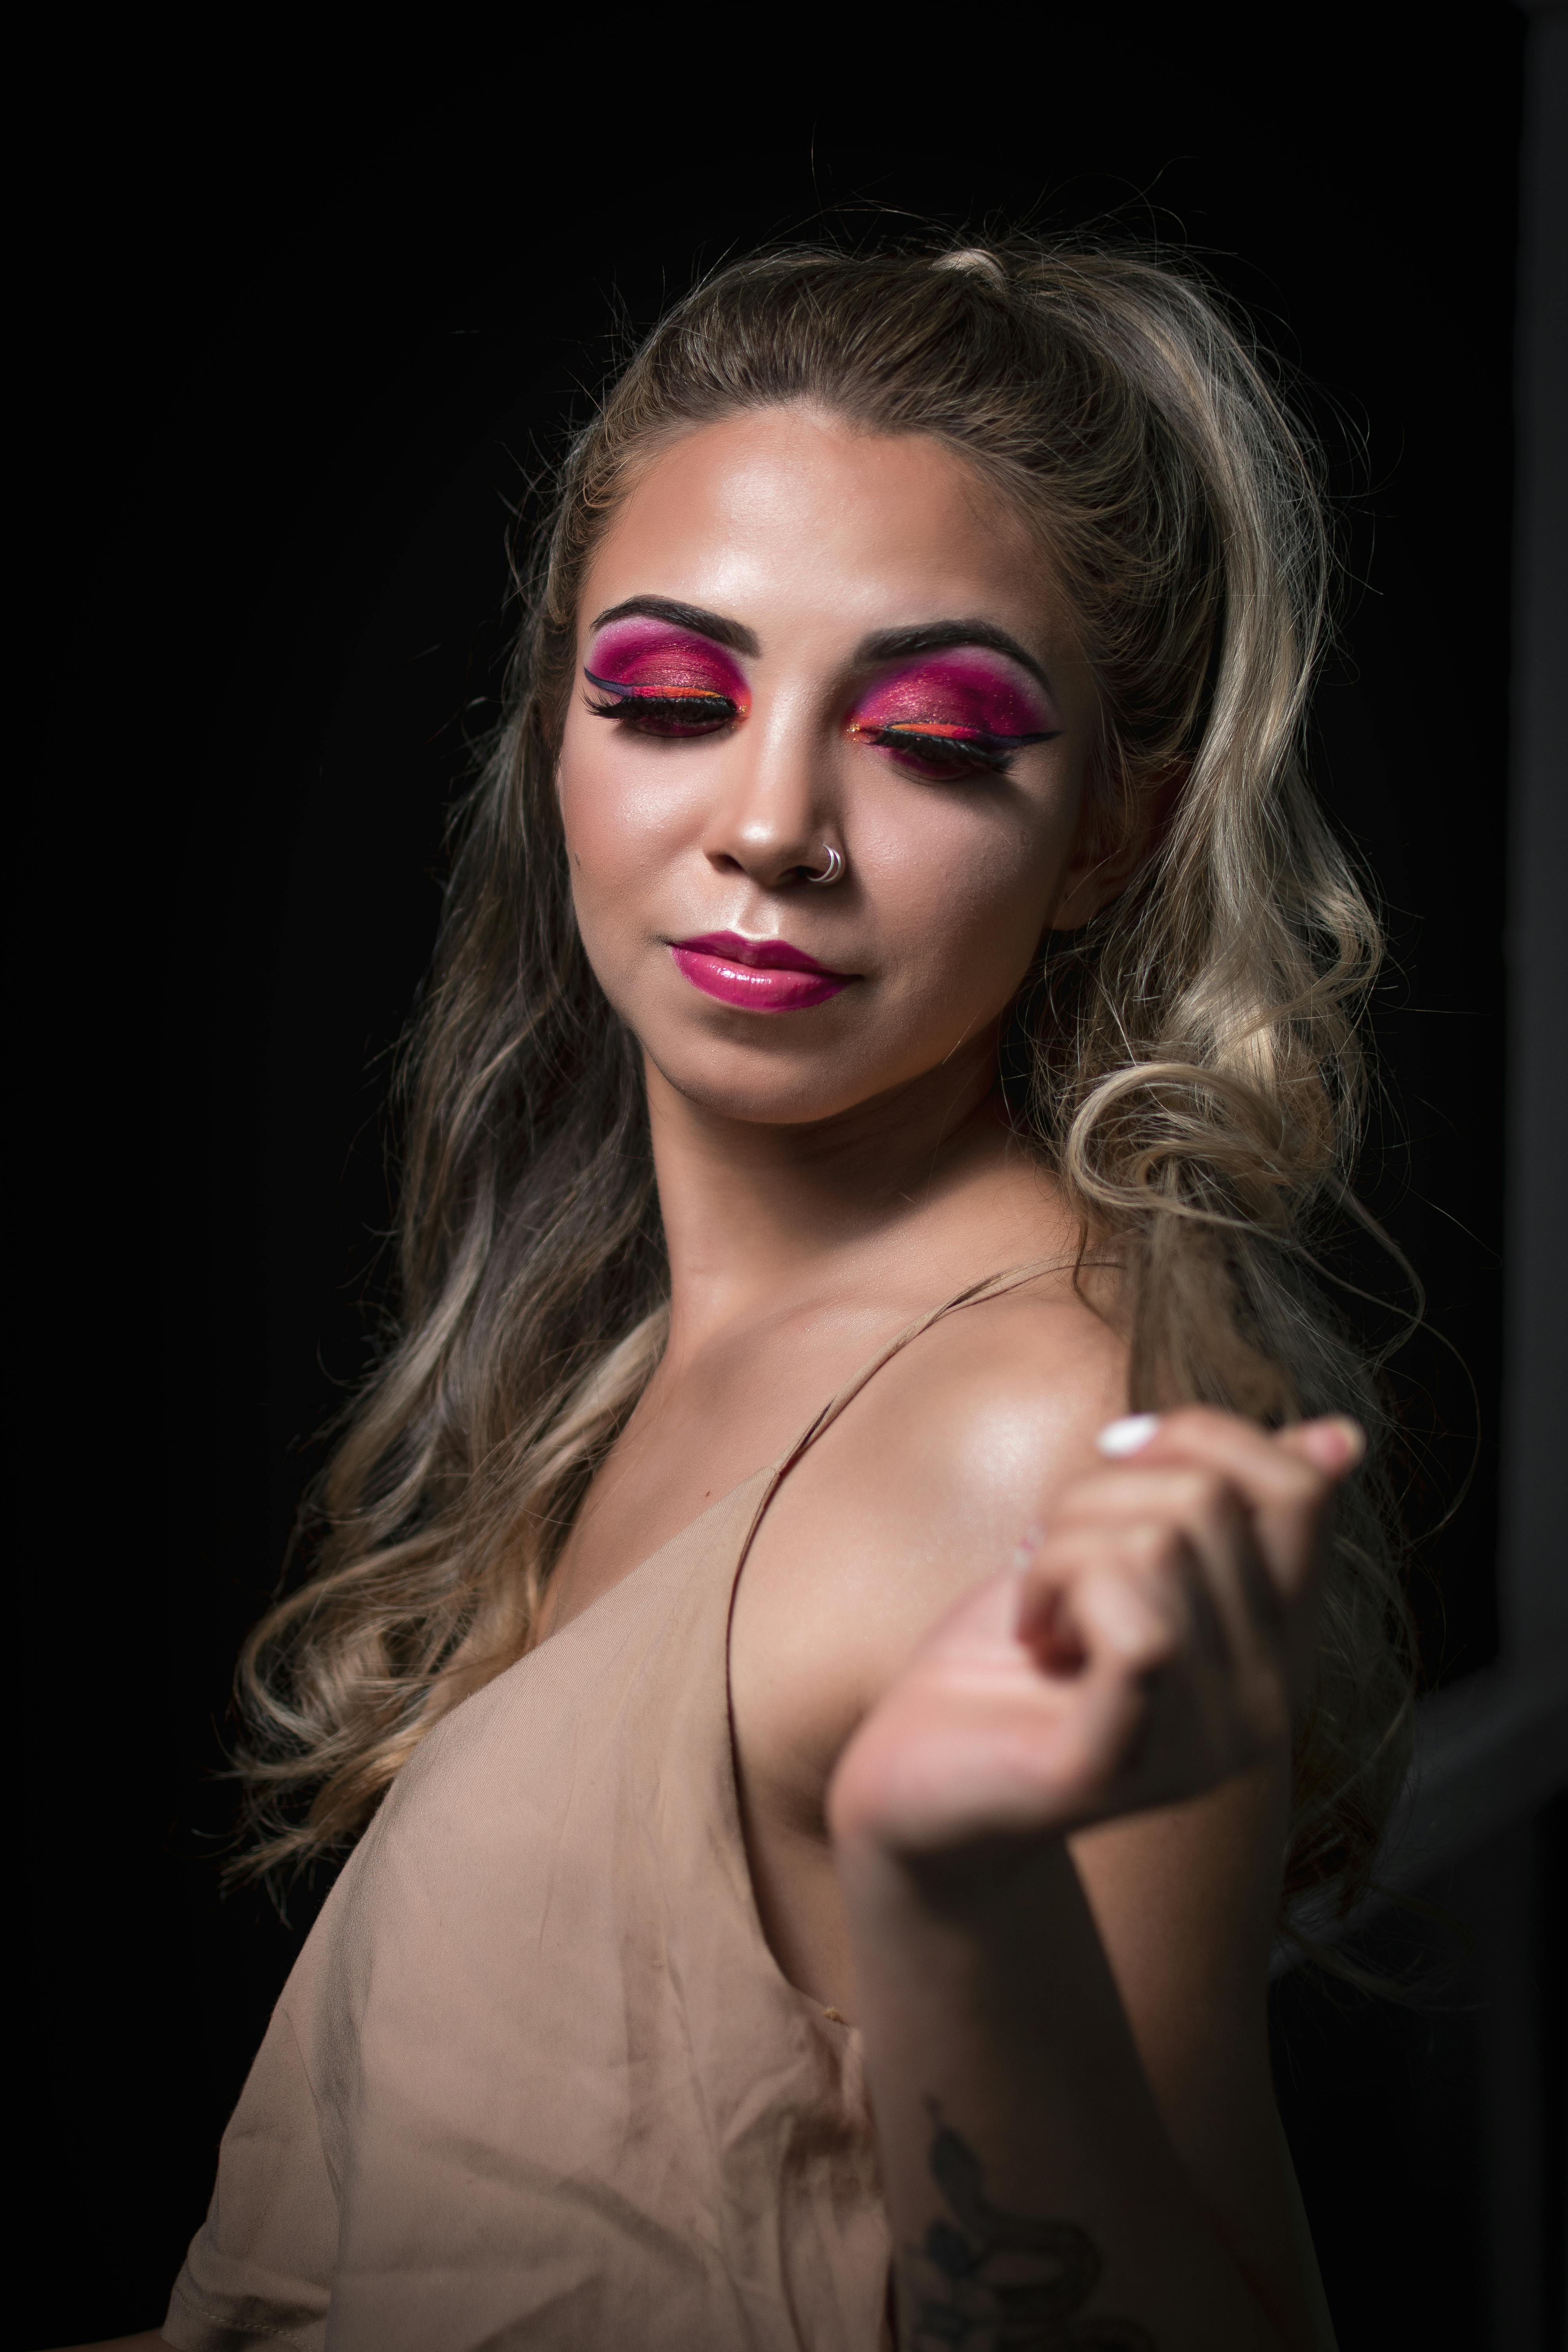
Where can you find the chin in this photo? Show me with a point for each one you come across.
(795, 1088)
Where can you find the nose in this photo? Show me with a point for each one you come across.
(774, 816)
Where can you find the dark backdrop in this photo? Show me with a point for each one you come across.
(300, 331)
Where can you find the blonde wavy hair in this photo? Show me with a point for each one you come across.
(1188, 1065)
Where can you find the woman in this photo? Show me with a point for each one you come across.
(854, 1601)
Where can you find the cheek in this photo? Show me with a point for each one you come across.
(622, 815)
(966, 896)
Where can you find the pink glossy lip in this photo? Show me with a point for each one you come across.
(767, 975)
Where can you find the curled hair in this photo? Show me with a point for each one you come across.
(1188, 1065)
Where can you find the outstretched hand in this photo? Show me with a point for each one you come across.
(1145, 1644)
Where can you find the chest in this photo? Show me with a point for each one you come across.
(704, 1425)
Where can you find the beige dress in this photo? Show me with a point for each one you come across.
(536, 2079)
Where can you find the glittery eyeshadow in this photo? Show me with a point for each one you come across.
(647, 656)
(967, 692)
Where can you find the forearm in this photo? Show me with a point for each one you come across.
(1028, 2172)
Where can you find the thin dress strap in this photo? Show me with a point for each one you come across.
(993, 1287)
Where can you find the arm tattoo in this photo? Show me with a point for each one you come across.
(990, 2281)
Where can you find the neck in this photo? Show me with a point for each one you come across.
(889, 1196)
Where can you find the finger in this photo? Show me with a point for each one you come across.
(1128, 1597)
(1134, 1613)
(1331, 1445)
(1205, 1713)
(1335, 1444)
(1225, 1671)
(1284, 1485)
(1210, 1506)
(1175, 1711)
(1194, 1695)
(1213, 1513)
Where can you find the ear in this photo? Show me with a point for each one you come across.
(1108, 853)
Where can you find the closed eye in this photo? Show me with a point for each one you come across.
(942, 752)
(682, 711)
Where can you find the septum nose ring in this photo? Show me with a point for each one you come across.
(832, 870)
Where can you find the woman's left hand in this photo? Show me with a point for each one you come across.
(1148, 1642)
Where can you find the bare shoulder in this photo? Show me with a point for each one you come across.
(984, 1412)
(953, 1447)
(920, 1489)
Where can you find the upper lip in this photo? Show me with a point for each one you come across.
(771, 955)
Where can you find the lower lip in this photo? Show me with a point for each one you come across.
(761, 988)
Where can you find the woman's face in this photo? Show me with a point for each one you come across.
(797, 637)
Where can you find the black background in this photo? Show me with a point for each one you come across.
(298, 330)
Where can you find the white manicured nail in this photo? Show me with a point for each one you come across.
(1126, 1435)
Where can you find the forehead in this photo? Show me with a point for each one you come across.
(799, 512)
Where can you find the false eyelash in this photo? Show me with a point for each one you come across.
(697, 703)
(714, 708)
(976, 754)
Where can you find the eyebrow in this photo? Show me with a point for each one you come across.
(883, 646)
(733, 633)
(942, 636)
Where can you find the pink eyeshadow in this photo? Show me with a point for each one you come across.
(653, 657)
(964, 692)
